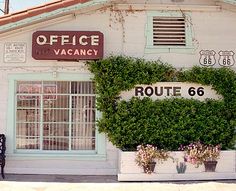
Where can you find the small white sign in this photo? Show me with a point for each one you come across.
(226, 58)
(15, 52)
(207, 57)
(162, 90)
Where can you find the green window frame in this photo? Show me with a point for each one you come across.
(99, 152)
(150, 48)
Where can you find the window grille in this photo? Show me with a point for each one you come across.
(169, 31)
(55, 115)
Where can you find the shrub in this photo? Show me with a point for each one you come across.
(166, 123)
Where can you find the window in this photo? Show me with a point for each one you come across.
(55, 115)
(52, 117)
(169, 32)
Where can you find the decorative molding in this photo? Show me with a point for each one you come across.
(165, 7)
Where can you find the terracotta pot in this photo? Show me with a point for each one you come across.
(149, 168)
(210, 166)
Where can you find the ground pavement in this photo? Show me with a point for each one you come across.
(103, 183)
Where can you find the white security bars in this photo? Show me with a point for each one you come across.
(55, 115)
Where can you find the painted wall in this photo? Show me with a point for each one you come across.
(124, 34)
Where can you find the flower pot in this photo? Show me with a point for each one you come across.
(149, 168)
(210, 166)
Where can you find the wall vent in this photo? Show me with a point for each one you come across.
(169, 31)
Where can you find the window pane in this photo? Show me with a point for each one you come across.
(61, 130)
(56, 115)
(28, 115)
(60, 112)
(60, 101)
(82, 88)
(27, 129)
(28, 142)
(56, 87)
(55, 143)
(33, 87)
(27, 135)
(28, 101)
(83, 136)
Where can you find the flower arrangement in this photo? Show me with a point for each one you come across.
(147, 154)
(197, 153)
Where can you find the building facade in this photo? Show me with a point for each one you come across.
(48, 107)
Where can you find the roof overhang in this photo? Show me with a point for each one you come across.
(38, 15)
(60, 9)
(229, 5)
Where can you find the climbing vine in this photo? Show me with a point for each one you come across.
(166, 123)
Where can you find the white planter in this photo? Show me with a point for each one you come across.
(130, 171)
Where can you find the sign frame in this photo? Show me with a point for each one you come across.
(67, 45)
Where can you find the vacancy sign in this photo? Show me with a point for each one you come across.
(162, 90)
(67, 45)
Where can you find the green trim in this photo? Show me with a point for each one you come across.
(100, 141)
(80, 157)
(150, 49)
(41, 124)
(176, 49)
(10, 133)
(100, 150)
(52, 14)
(230, 1)
(49, 76)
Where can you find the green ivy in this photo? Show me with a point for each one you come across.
(166, 123)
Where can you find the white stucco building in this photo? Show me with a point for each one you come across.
(48, 104)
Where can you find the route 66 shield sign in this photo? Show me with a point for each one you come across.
(207, 57)
(226, 58)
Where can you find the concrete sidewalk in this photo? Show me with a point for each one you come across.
(14, 182)
(82, 179)
(60, 178)
(43, 186)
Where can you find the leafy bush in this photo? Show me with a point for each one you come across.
(166, 123)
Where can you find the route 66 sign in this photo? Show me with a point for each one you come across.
(207, 57)
(226, 58)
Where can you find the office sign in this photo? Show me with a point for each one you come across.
(67, 45)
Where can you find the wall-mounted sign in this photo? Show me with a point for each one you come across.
(226, 58)
(15, 52)
(162, 90)
(67, 45)
(207, 58)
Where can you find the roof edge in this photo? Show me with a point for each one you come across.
(49, 15)
(233, 2)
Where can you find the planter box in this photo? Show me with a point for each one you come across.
(130, 171)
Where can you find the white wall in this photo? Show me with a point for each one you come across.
(211, 31)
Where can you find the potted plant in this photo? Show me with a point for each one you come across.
(147, 155)
(198, 153)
